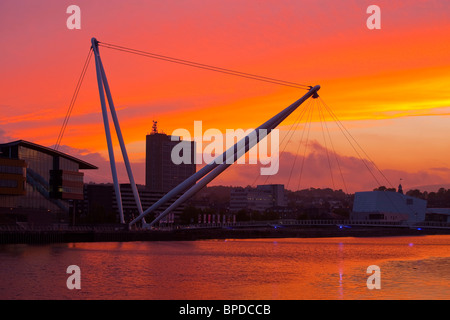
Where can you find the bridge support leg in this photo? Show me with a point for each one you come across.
(121, 141)
(103, 87)
(107, 131)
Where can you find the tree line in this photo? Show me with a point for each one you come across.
(439, 199)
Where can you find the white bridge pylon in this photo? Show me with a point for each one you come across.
(199, 179)
(104, 87)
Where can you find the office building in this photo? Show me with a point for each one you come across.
(261, 198)
(161, 173)
(38, 184)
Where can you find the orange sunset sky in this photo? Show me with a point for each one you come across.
(389, 87)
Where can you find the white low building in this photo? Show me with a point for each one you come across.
(438, 214)
(388, 206)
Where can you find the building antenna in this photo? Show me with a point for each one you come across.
(155, 127)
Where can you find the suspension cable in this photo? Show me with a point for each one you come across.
(306, 146)
(310, 109)
(356, 142)
(289, 133)
(344, 131)
(168, 59)
(205, 66)
(333, 149)
(74, 98)
(322, 121)
(346, 135)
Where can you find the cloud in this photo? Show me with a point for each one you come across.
(4, 137)
(322, 168)
(441, 169)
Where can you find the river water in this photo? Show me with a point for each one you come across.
(257, 269)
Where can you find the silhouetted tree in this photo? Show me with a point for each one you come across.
(383, 188)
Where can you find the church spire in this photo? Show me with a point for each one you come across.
(400, 188)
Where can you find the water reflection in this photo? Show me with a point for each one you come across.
(341, 270)
(331, 268)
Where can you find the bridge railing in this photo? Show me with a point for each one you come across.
(21, 227)
(292, 222)
(433, 224)
(55, 228)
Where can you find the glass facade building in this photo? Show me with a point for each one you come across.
(38, 184)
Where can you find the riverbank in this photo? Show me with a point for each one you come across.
(66, 236)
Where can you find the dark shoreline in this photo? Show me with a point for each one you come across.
(42, 237)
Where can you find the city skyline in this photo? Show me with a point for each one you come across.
(387, 86)
(122, 175)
